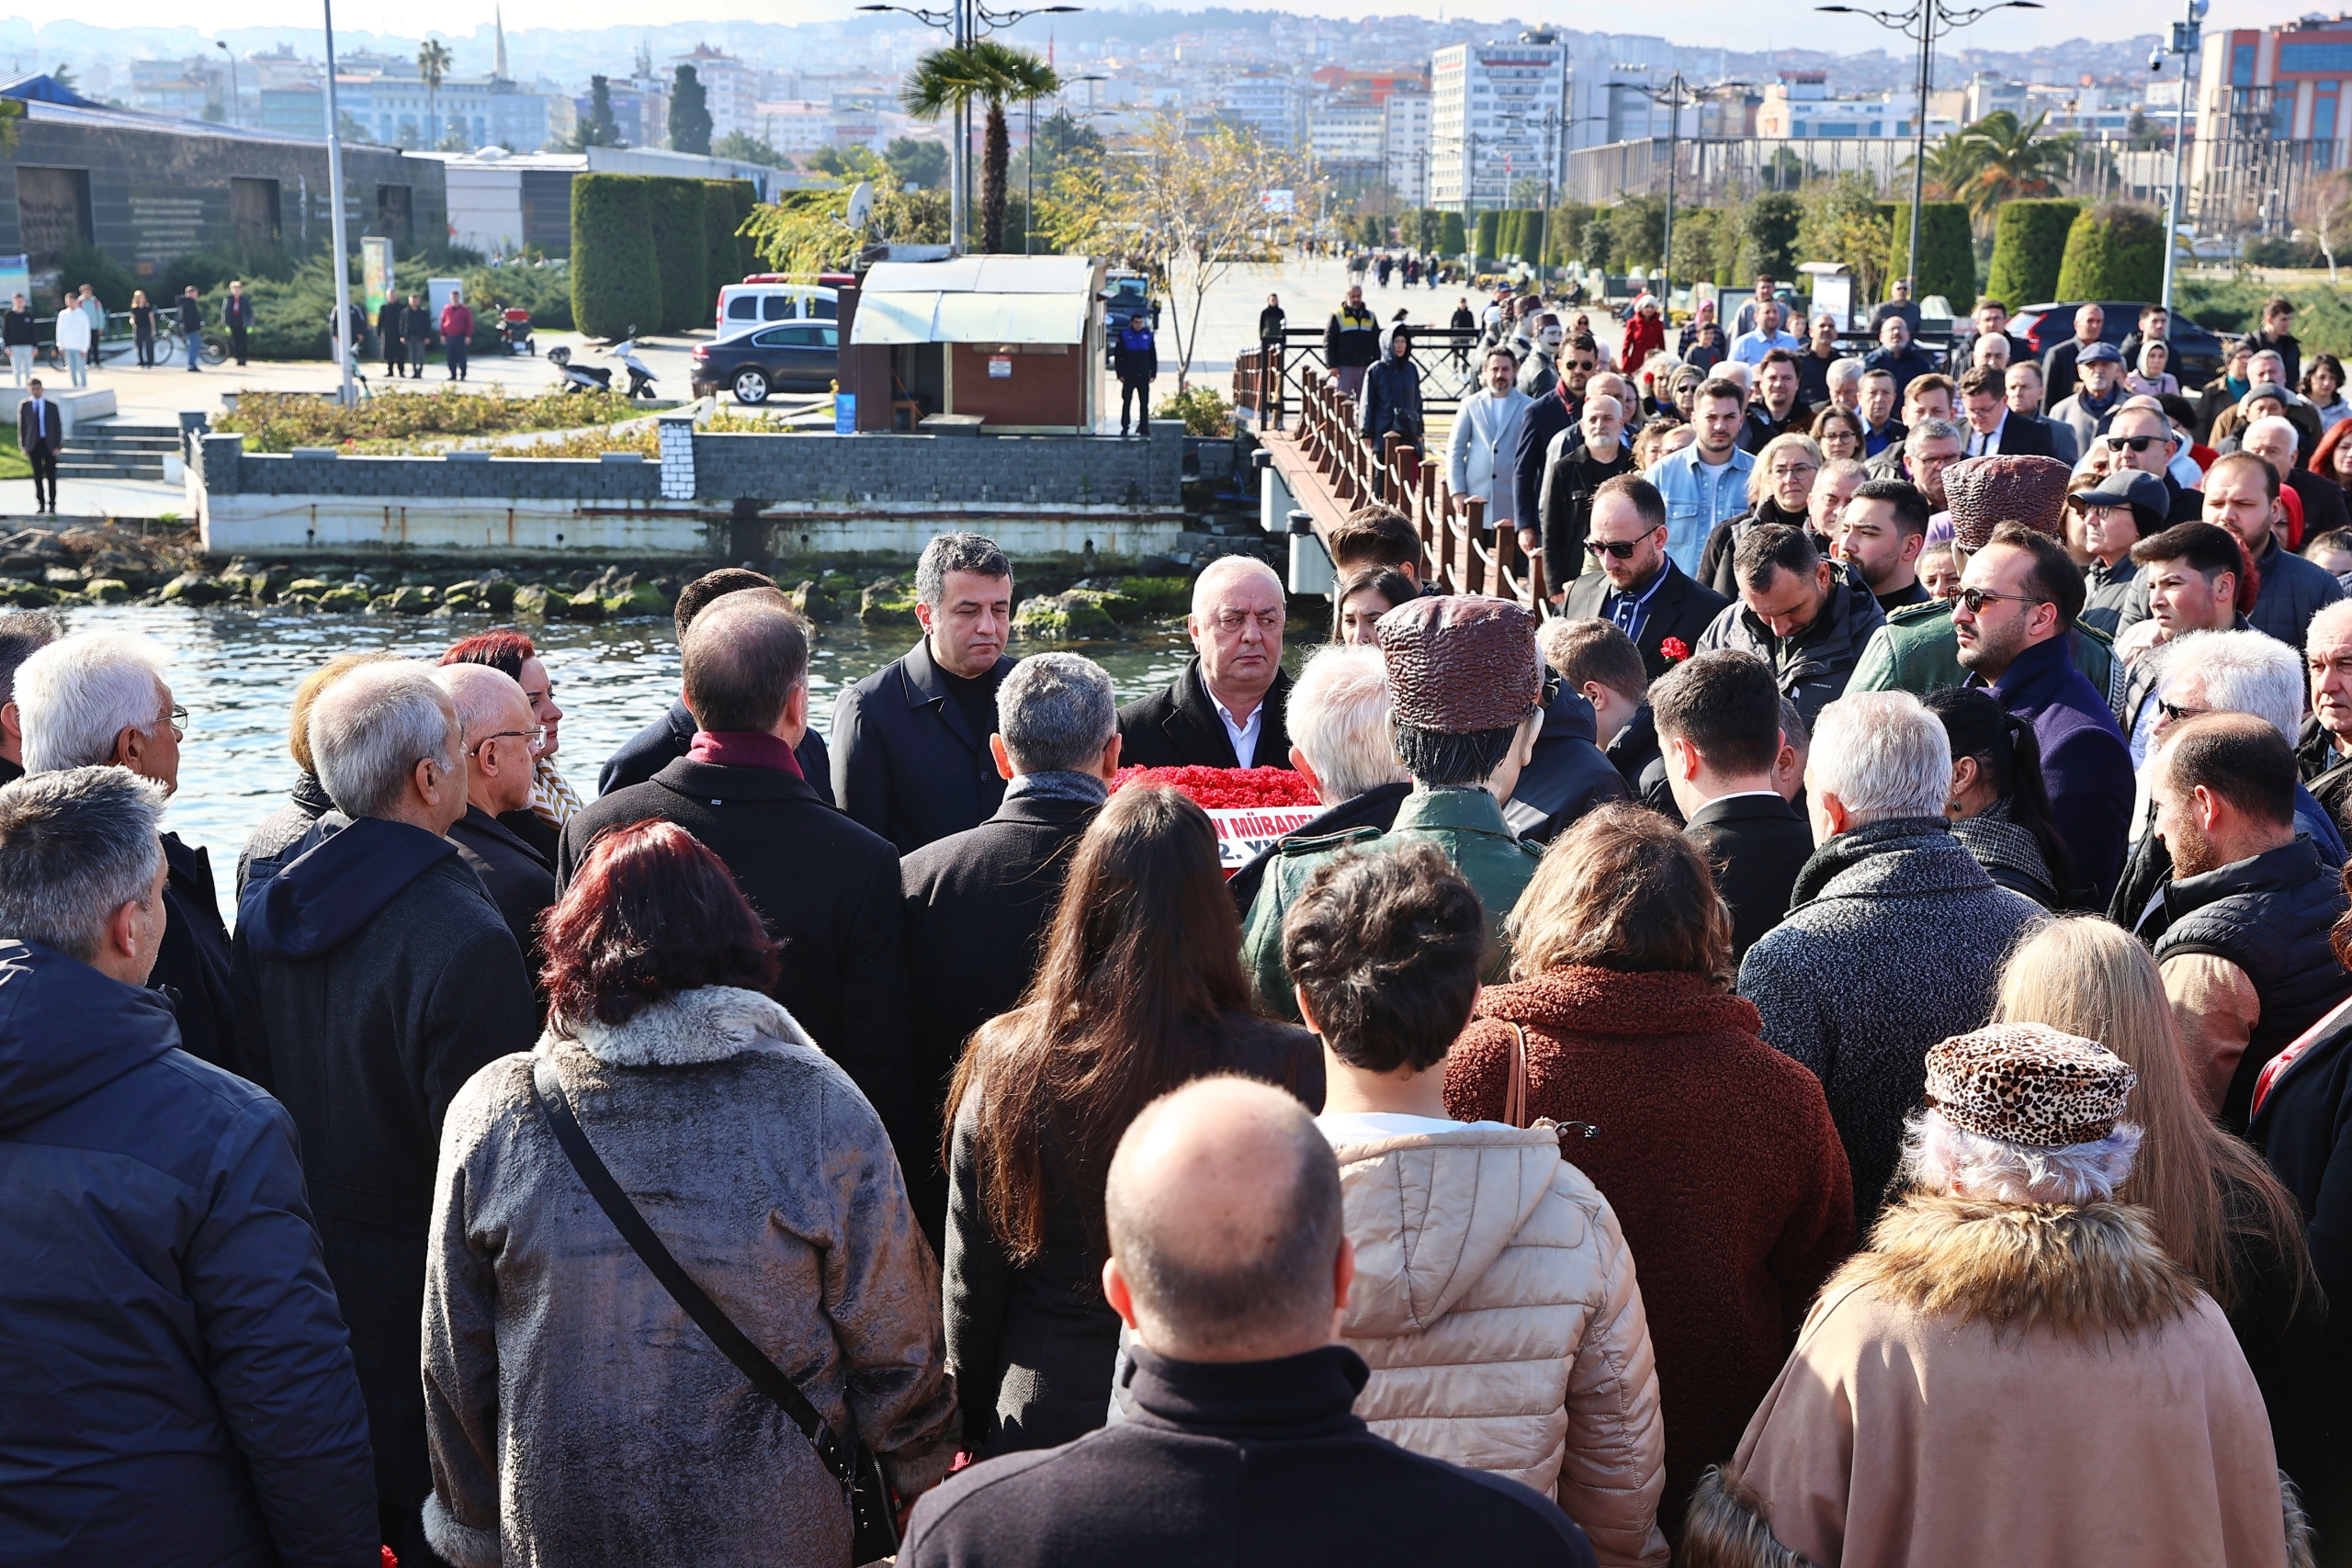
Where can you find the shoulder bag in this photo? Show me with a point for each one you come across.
(874, 1519)
(1515, 1096)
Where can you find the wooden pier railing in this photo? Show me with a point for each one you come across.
(1461, 552)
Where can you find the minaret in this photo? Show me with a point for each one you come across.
(498, 22)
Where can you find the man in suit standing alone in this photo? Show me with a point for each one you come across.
(1635, 584)
(910, 741)
(1225, 708)
(39, 436)
(1994, 429)
(1718, 719)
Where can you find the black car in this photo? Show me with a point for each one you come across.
(2197, 353)
(791, 356)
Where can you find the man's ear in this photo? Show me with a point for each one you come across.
(1003, 757)
(1122, 1299)
(1686, 759)
(1298, 763)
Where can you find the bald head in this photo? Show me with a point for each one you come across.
(1223, 1208)
(497, 720)
(1229, 571)
(746, 667)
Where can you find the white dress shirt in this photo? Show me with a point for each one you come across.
(1244, 735)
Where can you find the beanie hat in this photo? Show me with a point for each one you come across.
(2029, 1084)
(1461, 663)
(1984, 493)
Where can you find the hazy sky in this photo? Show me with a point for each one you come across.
(1739, 24)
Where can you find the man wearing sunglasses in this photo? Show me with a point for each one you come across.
(1632, 583)
(502, 740)
(2141, 439)
(2018, 599)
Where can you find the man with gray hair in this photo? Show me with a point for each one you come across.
(179, 1378)
(375, 976)
(100, 697)
(977, 902)
(2274, 439)
(23, 633)
(1225, 709)
(910, 741)
(503, 739)
(1340, 745)
(1230, 1265)
(1896, 936)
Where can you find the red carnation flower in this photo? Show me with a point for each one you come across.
(1225, 789)
(1674, 650)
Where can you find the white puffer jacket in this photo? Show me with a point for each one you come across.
(1495, 1303)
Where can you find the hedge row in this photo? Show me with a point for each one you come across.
(2028, 245)
(2113, 253)
(1947, 251)
(649, 252)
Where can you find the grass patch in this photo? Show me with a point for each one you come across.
(279, 422)
(15, 465)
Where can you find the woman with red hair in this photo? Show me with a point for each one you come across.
(553, 801)
(577, 1414)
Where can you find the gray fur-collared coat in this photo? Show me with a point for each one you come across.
(578, 1417)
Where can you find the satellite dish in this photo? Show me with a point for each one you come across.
(861, 206)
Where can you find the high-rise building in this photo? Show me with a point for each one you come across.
(1267, 102)
(1349, 137)
(2270, 120)
(730, 89)
(1495, 120)
(1405, 146)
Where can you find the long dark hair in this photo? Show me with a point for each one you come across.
(1142, 964)
(2010, 754)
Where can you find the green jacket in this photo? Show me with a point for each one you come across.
(1467, 824)
(1918, 652)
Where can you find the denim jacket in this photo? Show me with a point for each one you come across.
(1694, 503)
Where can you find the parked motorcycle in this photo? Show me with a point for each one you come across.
(641, 380)
(596, 378)
(514, 331)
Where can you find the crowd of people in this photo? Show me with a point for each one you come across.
(1849, 1066)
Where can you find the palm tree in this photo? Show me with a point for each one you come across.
(2014, 160)
(432, 65)
(1952, 161)
(951, 80)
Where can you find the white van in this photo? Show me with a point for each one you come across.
(754, 304)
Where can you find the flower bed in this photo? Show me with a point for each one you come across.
(279, 422)
(1250, 807)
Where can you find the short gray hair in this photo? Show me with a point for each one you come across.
(955, 552)
(2274, 423)
(1337, 717)
(24, 633)
(1842, 371)
(369, 730)
(77, 694)
(76, 845)
(1943, 1158)
(1056, 712)
(1931, 430)
(2331, 619)
(1225, 569)
(2241, 672)
(1883, 755)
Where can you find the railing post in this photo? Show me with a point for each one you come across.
(1428, 505)
(1472, 578)
(1506, 584)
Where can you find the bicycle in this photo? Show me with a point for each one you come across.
(171, 344)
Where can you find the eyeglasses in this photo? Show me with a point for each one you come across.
(2132, 443)
(177, 719)
(2173, 713)
(1267, 621)
(1580, 364)
(1784, 471)
(1615, 549)
(1973, 600)
(536, 737)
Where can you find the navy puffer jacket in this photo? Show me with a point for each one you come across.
(179, 1384)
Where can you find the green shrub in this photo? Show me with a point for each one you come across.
(615, 276)
(1531, 240)
(2028, 247)
(2115, 252)
(1202, 410)
(1947, 253)
(723, 252)
(1636, 232)
(1768, 239)
(1453, 239)
(86, 263)
(682, 250)
(2323, 314)
(1490, 226)
(279, 422)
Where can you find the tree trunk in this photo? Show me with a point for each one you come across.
(996, 166)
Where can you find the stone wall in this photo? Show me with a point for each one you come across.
(826, 471)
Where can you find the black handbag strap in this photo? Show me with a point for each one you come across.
(765, 1375)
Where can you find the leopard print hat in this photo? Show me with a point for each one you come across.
(2029, 1084)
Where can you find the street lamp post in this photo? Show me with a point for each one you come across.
(341, 337)
(223, 46)
(1922, 23)
(1676, 96)
(1029, 169)
(2186, 41)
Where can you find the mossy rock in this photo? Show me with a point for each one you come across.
(887, 603)
(839, 584)
(26, 595)
(640, 599)
(1160, 595)
(108, 591)
(1121, 607)
(410, 599)
(344, 596)
(1078, 615)
(500, 593)
(194, 588)
(307, 588)
(457, 603)
(814, 604)
(529, 599)
(584, 605)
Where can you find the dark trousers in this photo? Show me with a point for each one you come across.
(1136, 395)
(44, 462)
(455, 348)
(146, 343)
(416, 356)
(394, 363)
(237, 342)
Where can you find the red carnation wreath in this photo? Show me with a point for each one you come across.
(1225, 789)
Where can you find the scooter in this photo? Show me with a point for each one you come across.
(514, 331)
(641, 380)
(579, 377)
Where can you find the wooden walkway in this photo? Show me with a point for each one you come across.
(1331, 469)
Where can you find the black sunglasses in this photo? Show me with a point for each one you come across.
(1617, 550)
(2135, 443)
(1975, 599)
(2173, 713)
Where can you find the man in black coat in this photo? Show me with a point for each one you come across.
(499, 735)
(64, 696)
(665, 740)
(1558, 409)
(23, 633)
(1718, 721)
(1990, 427)
(826, 887)
(978, 903)
(1595, 660)
(910, 741)
(1637, 587)
(1224, 707)
(1239, 1443)
(1569, 776)
(1589, 456)
(392, 329)
(2058, 375)
(374, 976)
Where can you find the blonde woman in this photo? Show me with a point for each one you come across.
(2219, 1211)
(1779, 488)
(143, 328)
